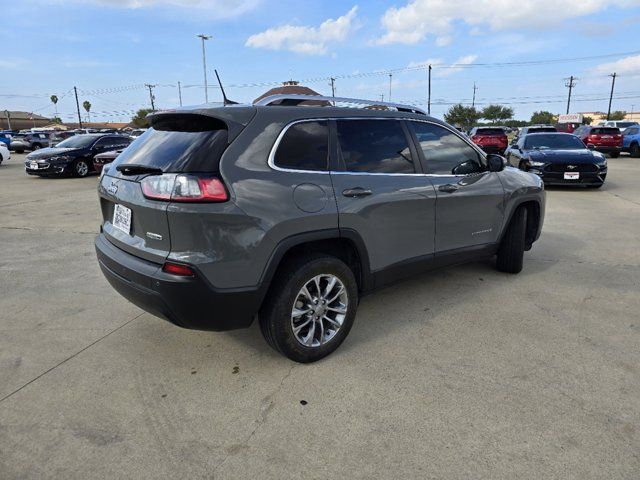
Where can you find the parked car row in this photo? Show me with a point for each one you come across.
(22, 141)
(604, 139)
(76, 155)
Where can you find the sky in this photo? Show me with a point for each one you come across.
(516, 52)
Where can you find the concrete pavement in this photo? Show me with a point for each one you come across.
(460, 373)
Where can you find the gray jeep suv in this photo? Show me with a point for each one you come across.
(291, 212)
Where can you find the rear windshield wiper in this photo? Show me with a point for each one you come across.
(138, 169)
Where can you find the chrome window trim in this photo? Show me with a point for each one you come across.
(274, 148)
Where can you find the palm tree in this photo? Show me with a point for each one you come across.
(54, 100)
(87, 106)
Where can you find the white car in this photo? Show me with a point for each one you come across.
(621, 124)
(4, 152)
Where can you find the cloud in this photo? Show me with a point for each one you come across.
(441, 70)
(628, 66)
(215, 8)
(419, 19)
(304, 39)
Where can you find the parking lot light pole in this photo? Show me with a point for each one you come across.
(204, 37)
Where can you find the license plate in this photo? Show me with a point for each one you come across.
(122, 218)
(571, 175)
(607, 137)
(33, 165)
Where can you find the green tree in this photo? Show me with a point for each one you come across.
(587, 120)
(497, 113)
(618, 115)
(462, 116)
(543, 117)
(87, 106)
(140, 118)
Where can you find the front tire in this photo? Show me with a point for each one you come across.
(511, 250)
(310, 307)
(80, 168)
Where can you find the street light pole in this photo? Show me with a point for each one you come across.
(204, 37)
(613, 84)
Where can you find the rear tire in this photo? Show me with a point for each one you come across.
(511, 250)
(280, 313)
(635, 150)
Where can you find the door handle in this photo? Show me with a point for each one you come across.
(449, 188)
(356, 192)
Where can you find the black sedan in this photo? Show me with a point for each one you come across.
(73, 156)
(559, 159)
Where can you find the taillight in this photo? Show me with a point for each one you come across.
(184, 188)
(593, 138)
(475, 139)
(177, 269)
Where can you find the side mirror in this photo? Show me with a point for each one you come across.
(591, 146)
(496, 163)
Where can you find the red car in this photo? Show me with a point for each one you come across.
(490, 139)
(603, 139)
(102, 159)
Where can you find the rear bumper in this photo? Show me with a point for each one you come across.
(493, 149)
(608, 149)
(189, 302)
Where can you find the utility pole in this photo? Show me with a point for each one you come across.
(8, 115)
(429, 97)
(390, 77)
(180, 93)
(75, 90)
(204, 37)
(382, 97)
(570, 83)
(613, 84)
(151, 97)
(333, 87)
(473, 102)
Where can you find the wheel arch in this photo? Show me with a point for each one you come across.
(345, 244)
(534, 219)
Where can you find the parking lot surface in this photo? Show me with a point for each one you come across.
(460, 373)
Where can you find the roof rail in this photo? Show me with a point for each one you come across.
(296, 99)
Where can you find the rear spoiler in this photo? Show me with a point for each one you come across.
(236, 118)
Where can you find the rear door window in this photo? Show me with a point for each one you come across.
(179, 143)
(374, 146)
(304, 146)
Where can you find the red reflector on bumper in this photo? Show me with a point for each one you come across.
(177, 269)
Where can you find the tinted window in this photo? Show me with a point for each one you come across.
(632, 131)
(179, 143)
(542, 129)
(490, 131)
(304, 147)
(553, 141)
(605, 131)
(78, 141)
(445, 152)
(377, 146)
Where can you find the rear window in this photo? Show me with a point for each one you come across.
(179, 143)
(490, 131)
(304, 146)
(605, 131)
(376, 146)
(542, 129)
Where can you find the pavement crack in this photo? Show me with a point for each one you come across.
(259, 421)
(69, 358)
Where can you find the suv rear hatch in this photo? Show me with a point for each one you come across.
(137, 188)
(495, 137)
(605, 137)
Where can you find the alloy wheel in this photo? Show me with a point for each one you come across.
(82, 168)
(319, 310)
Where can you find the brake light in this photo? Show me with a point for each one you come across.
(184, 188)
(475, 138)
(593, 138)
(177, 269)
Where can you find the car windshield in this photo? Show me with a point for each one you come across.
(553, 142)
(77, 141)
